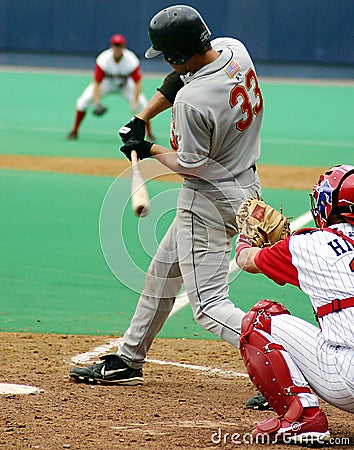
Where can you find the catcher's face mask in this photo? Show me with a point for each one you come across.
(334, 192)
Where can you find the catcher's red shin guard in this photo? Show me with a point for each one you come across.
(265, 363)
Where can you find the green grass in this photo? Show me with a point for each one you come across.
(304, 124)
(54, 277)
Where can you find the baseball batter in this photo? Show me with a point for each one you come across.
(215, 136)
(118, 70)
(299, 355)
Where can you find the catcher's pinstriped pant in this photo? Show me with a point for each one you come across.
(196, 252)
(328, 369)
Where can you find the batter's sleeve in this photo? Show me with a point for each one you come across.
(170, 86)
(276, 263)
(193, 135)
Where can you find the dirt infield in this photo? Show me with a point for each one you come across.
(176, 408)
(282, 177)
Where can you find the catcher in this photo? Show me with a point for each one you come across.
(285, 356)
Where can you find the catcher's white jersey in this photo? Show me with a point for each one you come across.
(121, 69)
(218, 113)
(321, 263)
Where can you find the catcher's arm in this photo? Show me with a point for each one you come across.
(245, 256)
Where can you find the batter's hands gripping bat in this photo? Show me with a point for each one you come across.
(140, 197)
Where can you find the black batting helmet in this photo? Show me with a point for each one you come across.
(178, 32)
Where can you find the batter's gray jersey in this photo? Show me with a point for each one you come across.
(218, 113)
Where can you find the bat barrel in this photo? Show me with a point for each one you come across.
(140, 211)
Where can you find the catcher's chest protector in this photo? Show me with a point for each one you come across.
(266, 366)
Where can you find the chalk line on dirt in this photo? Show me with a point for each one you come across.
(18, 389)
(86, 357)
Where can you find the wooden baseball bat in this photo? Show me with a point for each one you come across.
(140, 196)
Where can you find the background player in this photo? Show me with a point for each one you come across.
(286, 354)
(117, 70)
(216, 142)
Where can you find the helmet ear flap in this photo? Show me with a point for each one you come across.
(345, 198)
(176, 58)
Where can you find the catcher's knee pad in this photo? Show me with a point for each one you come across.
(259, 316)
(266, 366)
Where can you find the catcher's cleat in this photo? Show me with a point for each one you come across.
(113, 370)
(310, 429)
(258, 402)
(72, 136)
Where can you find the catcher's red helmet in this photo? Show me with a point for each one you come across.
(334, 193)
(118, 39)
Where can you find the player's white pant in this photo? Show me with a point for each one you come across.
(196, 248)
(107, 86)
(329, 370)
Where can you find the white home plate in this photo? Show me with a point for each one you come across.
(8, 388)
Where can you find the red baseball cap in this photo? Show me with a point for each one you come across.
(118, 39)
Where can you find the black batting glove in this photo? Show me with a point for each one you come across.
(142, 148)
(135, 129)
(99, 110)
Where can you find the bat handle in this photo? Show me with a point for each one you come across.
(134, 157)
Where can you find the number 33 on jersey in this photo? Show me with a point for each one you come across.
(244, 95)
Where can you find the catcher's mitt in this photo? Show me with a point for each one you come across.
(261, 224)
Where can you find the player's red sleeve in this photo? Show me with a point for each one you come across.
(136, 74)
(276, 263)
(98, 74)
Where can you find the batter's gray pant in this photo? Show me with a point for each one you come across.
(195, 251)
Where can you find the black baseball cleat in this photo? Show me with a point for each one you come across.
(113, 370)
(258, 402)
